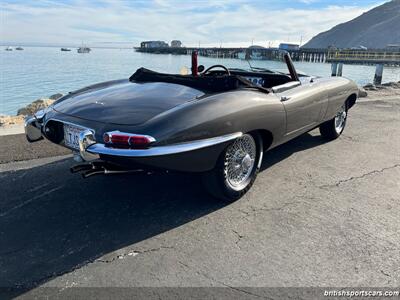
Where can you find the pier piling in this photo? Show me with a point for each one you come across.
(340, 69)
(378, 74)
(334, 69)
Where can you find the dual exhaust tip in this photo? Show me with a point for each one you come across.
(101, 168)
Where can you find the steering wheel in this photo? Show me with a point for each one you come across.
(217, 66)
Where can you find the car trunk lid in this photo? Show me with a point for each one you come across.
(127, 103)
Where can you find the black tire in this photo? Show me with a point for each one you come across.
(216, 182)
(329, 129)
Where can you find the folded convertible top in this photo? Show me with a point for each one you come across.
(207, 84)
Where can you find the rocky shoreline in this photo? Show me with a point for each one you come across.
(30, 109)
(390, 89)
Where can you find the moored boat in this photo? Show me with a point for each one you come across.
(84, 50)
(8, 48)
(19, 48)
(65, 49)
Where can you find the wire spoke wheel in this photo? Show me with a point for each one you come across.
(239, 162)
(236, 169)
(340, 119)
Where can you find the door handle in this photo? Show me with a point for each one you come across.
(285, 98)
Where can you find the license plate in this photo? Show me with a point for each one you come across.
(71, 136)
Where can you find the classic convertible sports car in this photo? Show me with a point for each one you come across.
(216, 122)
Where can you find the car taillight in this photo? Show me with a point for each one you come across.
(121, 139)
(139, 140)
(127, 140)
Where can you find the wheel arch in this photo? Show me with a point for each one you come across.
(351, 100)
(266, 136)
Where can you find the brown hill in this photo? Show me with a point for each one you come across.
(373, 29)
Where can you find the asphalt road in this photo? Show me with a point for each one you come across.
(319, 214)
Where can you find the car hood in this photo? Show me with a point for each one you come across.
(126, 103)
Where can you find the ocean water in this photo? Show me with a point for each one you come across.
(42, 71)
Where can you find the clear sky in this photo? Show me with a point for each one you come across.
(210, 23)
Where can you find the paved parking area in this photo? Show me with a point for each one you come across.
(319, 214)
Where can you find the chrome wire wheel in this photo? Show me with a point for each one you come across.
(239, 162)
(340, 119)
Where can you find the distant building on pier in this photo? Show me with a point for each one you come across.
(395, 47)
(176, 44)
(153, 44)
(287, 46)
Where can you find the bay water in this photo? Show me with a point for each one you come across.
(39, 72)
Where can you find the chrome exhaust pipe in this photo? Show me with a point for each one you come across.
(81, 167)
(92, 173)
(101, 168)
(102, 171)
(122, 171)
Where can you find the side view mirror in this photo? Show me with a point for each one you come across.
(200, 68)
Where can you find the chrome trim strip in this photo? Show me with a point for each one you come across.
(163, 150)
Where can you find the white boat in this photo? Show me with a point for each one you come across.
(84, 50)
(8, 48)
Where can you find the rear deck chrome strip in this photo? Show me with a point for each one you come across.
(163, 150)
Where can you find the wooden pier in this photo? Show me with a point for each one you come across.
(365, 57)
(362, 57)
(308, 55)
(337, 58)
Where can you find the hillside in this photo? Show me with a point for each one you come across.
(373, 29)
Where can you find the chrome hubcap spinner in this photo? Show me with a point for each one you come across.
(239, 162)
(340, 119)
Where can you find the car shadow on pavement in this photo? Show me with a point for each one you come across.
(52, 222)
(303, 142)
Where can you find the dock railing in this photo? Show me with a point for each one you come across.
(365, 57)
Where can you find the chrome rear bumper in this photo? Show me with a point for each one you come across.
(33, 129)
(90, 150)
(162, 150)
(194, 156)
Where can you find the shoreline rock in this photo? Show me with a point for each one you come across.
(36, 105)
(30, 109)
(362, 93)
(388, 89)
(11, 120)
(373, 87)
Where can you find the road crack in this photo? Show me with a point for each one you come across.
(238, 235)
(352, 178)
(255, 210)
(131, 253)
(237, 289)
